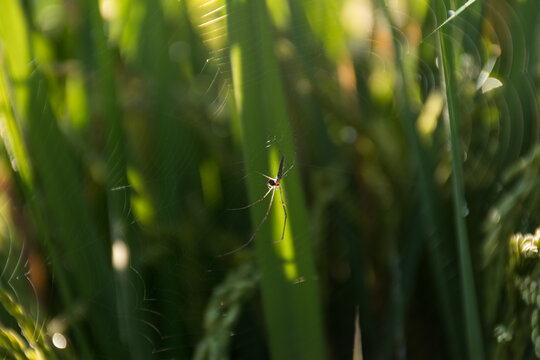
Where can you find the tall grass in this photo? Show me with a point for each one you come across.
(447, 58)
(132, 127)
(289, 289)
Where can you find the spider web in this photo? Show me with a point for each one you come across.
(172, 269)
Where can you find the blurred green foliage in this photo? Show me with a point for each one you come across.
(131, 128)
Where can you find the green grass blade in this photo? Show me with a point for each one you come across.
(453, 16)
(447, 56)
(116, 178)
(14, 65)
(428, 196)
(290, 292)
(56, 194)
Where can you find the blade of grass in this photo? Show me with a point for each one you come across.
(13, 34)
(320, 147)
(290, 292)
(116, 177)
(447, 56)
(452, 17)
(143, 22)
(429, 200)
(144, 44)
(55, 195)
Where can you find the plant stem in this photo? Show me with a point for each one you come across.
(447, 57)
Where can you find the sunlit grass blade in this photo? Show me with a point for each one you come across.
(290, 293)
(453, 16)
(55, 194)
(14, 65)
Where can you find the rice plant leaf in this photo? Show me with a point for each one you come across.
(433, 220)
(485, 81)
(471, 315)
(453, 15)
(55, 194)
(291, 298)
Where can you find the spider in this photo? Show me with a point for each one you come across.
(273, 185)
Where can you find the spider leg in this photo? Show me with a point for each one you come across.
(286, 196)
(253, 203)
(285, 212)
(266, 176)
(258, 226)
(290, 167)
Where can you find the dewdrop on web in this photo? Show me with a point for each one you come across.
(59, 341)
(120, 255)
(57, 327)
